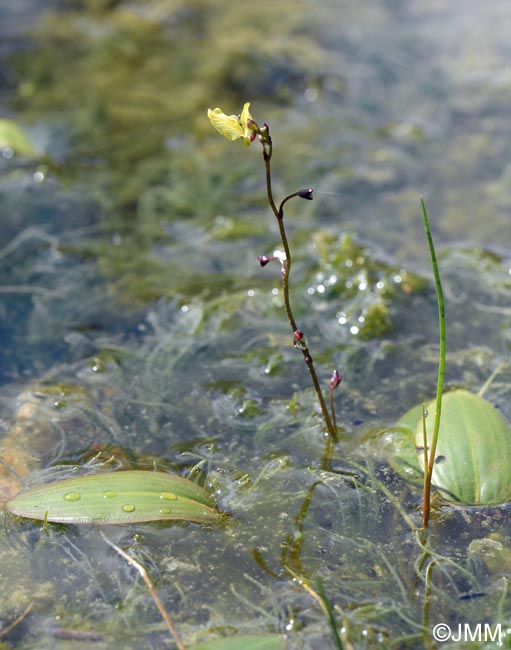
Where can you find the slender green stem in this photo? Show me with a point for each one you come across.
(279, 215)
(426, 497)
(424, 437)
(428, 471)
(330, 614)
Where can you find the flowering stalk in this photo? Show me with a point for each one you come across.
(234, 127)
(300, 342)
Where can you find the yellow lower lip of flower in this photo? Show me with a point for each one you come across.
(227, 125)
(233, 127)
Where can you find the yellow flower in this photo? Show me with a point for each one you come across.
(233, 127)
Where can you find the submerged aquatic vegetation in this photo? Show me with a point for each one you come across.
(45, 413)
(125, 105)
(365, 291)
(352, 538)
(213, 392)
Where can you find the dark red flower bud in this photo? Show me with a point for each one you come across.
(306, 194)
(297, 336)
(264, 135)
(335, 380)
(264, 259)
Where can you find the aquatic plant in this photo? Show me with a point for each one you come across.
(234, 127)
(116, 498)
(464, 450)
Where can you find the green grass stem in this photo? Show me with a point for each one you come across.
(428, 471)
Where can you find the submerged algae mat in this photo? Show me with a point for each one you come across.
(139, 331)
(297, 530)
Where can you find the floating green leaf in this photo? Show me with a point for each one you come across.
(404, 456)
(116, 498)
(473, 457)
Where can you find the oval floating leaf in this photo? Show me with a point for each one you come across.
(116, 498)
(473, 456)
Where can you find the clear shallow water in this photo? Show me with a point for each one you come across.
(131, 290)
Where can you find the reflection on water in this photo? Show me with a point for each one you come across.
(136, 321)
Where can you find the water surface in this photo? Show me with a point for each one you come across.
(136, 322)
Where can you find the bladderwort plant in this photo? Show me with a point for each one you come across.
(234, 127)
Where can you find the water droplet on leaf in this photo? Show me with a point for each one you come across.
(168, 496)
(72, 496)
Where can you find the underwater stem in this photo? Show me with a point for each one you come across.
(17, 620)
(145, 577)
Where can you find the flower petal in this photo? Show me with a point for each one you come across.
(227, 125)
(247, 124)
(245, 115)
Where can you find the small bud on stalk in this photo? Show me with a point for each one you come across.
(264, 259)
(306, 194)
(299, 340)
(335, 380)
